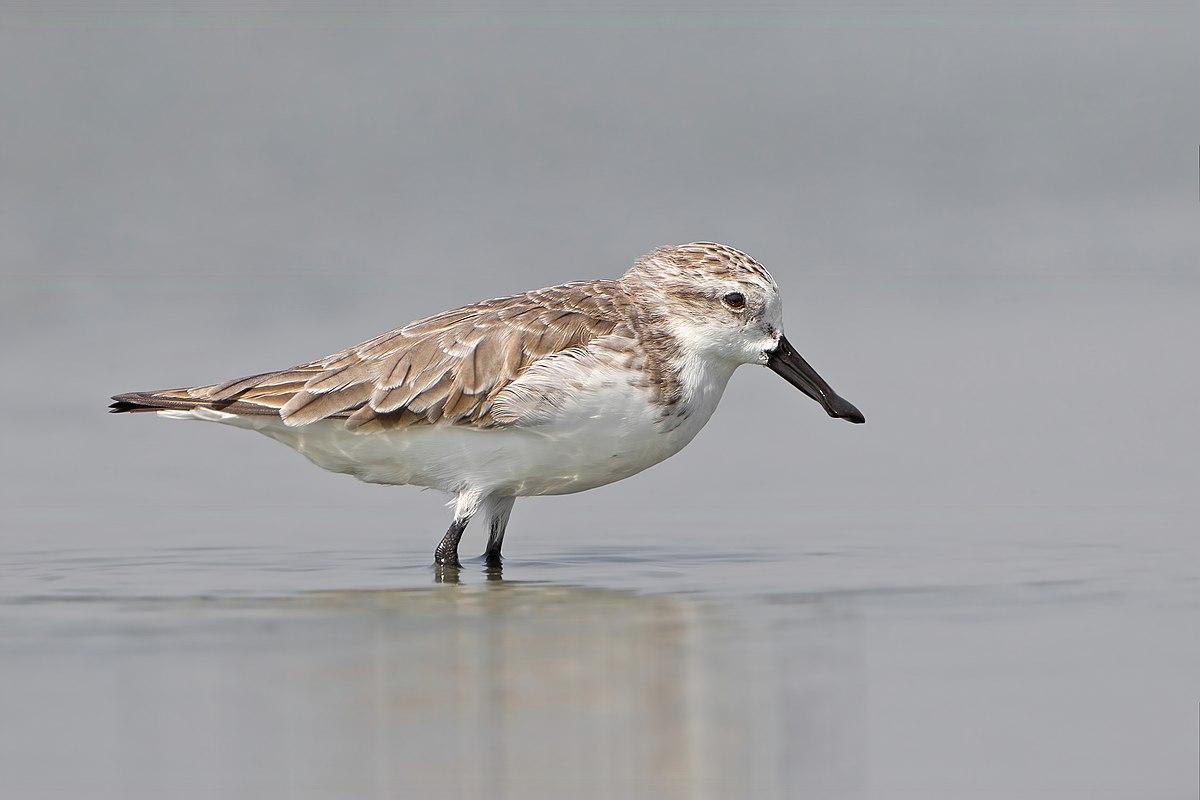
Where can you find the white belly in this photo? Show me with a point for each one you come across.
(603, 435)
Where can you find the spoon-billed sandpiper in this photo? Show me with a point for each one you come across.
(552, 391)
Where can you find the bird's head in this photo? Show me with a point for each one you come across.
(721, 304)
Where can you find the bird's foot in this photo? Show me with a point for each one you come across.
(446, 554)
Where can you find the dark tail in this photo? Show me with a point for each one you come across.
(133, 402)
(183, 400)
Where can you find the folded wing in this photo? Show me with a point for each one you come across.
(445, 369)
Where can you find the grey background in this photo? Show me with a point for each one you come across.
(984, 222)
(192, 196)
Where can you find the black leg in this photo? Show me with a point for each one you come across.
(497, 525)
(447, 550)
(491, 556)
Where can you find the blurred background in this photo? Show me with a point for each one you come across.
(984, 220)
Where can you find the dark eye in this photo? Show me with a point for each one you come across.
(735, 300)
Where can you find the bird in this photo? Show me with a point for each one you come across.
(551, 391)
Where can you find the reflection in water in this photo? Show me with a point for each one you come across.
(497, 689)
(528, 690)
(450, 573)
(525, 690)
(490, 687)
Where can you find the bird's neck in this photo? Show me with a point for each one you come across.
(684, 378)
(679, 368)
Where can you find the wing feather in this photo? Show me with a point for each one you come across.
(446, 369)
(305, 406)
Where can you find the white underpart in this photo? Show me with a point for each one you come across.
(598, 427)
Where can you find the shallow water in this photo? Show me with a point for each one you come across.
(927, 653)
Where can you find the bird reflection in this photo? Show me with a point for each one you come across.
(505, 688)
(447, 573)
(493, 572)
(511, 689)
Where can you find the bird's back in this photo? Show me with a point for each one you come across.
(448, 369)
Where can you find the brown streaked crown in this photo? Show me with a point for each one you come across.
(698, 258)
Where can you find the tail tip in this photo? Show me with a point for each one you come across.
(124, 403)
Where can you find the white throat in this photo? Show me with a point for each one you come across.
(703, 381)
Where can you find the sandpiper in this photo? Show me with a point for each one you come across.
(552, 391)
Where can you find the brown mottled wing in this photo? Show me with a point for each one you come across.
(445, 369)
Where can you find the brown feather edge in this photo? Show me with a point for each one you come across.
(443, 397)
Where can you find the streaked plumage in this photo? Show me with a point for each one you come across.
(546, 392)
(451, 368)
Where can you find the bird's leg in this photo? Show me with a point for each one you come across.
(499, 509)
(446, 554)
(466, 503)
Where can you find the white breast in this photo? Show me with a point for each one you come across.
(604, 429)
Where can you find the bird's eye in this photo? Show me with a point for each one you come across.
(734, 300)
